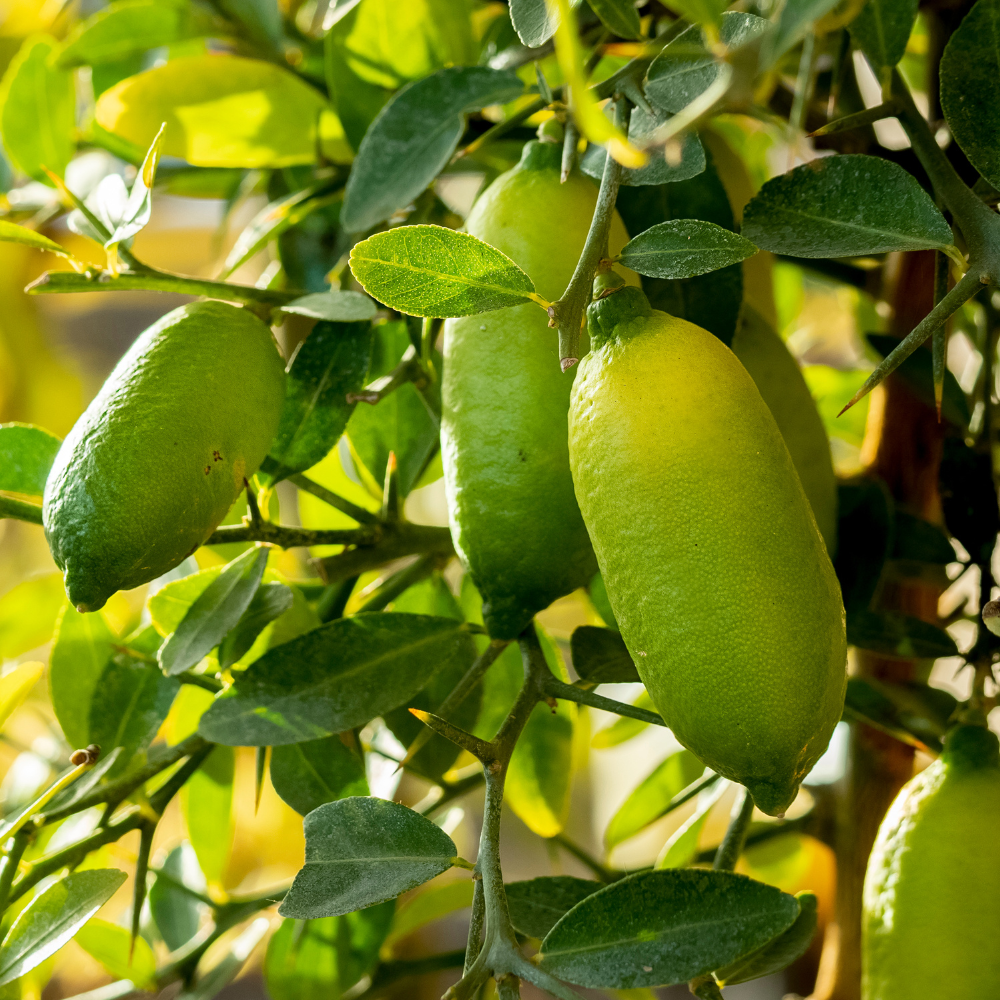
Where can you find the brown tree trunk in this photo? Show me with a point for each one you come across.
(906, 440)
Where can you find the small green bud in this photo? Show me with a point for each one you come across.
(551, 130)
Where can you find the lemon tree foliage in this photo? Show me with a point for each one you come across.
(549, 271)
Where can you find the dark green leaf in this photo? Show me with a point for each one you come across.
(26, 455)
(269, 602)
(38, 111)
(970, 88)
(308, 774)
(685, 68)
(882, 30)
(600, 656)
(334, 678)
(664, 927)
(414, 137)
(920, 541)
(324, 958)
(620, 17)
(842, 206)
(362, 851)
(969, 498)
(779, 953)
(651, 799)
(684, 248)
(433, 271)
(532, 21)
(52, 918)
(599, 598)
(177, 914)
(260, 18)
(864, 539)
(335, 306)
(537, 905)
(911, 712)
(217, 610)
(659, 170)
(894, 634)
(331, 362)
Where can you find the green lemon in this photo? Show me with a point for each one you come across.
(779, 380)
(715, 569)
(513, 515)
(931, 918)
(158, 458)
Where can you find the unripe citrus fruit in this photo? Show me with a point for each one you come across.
(157, 459)
(931, 920)
(513, 515)
(779, 381)
(715, 569)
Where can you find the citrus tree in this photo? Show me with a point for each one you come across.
(589, 358)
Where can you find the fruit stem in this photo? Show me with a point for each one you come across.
(736, 833)
(20, 510)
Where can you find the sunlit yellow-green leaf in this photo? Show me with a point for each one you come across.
(16, 685)
(113, 947)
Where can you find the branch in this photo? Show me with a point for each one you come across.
(393, 541)
(20, 510)
(556, 688)
(291, 538)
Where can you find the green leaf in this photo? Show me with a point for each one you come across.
(361, 851)
(38, 111)
(126, 29)
(83, 649)
(401, 423)
(600, 656)
(112, 946)
(168, 606)
(328, 366)
(795, 21)
(649, 801)
(533, 21)
(684, 248)
(212, 982)
(779, 953)
(917, 540)
(321, 959)
(658, 170)
(706, 12)
(842, 206)
(335, 306)
(664, 927)
(260, 18)
(28, 614)
(177, 914)
(270, 601)
(682, 847)
(16, 685)
(893, 634)
(864, 539)
(429, 905)
(214, 613)
(308, 774)
(969, 498)
(207, 803)
(52, 918)
(11, 233)
(882, 30)
(433, 271)
(220, 110)
(970, 88)
(686, 68)
(620, 17)
(537, 905)
(911, 712)
(334, 678)
(414, 137)
(623, 729)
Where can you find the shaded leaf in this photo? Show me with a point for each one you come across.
(882, 30)
(270, 601)
(308, 774)
(414, 137)
(336, 306)
(38, 111)
(919, 540)
(334, 678)
(112, 946)
(429, 905)
(600, 656)
(650, 799)
(841, 206)
(260, 18)
(538, 904)
(361, 851)
(969, 498)
(330, 363)
(215, 611)
(912, 712)
(893, 634)
(620, 17)
(533, 21)
(53, 917)
(433, 271)
(11, 233)
(28, 613)
(684, 248)
(177, 914)
(207, 803)
(864, 539)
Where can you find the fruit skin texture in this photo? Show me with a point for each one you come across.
(158, 458)
(931, 917)
(779, 380)
(513, 515)
(716, 571)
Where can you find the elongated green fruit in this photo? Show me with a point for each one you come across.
(779, 381)
(513, 515)
(158, 458)
(931, 918)
(715, 569)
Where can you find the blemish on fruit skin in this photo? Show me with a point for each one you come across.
(208, 469)
(216, 456)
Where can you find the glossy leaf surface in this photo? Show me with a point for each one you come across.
(685, 248)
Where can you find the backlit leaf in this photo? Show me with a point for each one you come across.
(895, 634)
(16, 685)
(177, 914)
(28, 613)
(429, 905)
(11, 233)
(533, 21)
(684, 248)
(112, 946)
(207, 802)
(682, 846)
